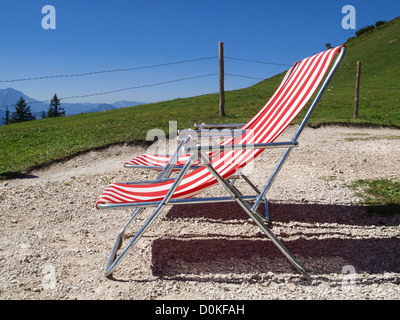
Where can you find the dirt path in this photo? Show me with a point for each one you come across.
(54, 244)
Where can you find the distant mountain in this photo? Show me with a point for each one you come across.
(124, 104)
(103, 107)
(75, 108)
(9, 97)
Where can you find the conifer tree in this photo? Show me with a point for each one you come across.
(6, 119)
(22, 112)
(55, 109)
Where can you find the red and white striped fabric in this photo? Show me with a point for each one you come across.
(294, 92)
(157, 161)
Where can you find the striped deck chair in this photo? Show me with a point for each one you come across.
(158, 162)
(228, 158)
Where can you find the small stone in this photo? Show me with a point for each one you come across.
(291, 286)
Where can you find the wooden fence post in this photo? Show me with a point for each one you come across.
(221, 80)
(357, 94)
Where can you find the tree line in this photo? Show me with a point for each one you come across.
(361, 31)
(23, 111)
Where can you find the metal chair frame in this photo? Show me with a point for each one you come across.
(249, 204)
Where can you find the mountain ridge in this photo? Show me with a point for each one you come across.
(10, 96)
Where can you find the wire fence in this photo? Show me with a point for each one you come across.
(384, 9)
(83, 74)
(106, 71)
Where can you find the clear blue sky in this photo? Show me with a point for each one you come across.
(106, 35)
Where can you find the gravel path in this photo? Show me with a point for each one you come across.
(54, 244)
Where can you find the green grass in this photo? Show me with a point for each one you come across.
(380, 195)
(379, 104)
(378, 191)
(30, 144)
(371, 138)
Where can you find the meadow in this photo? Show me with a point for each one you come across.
(36, 143)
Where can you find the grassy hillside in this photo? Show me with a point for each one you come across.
(30, 144)
(379, 51)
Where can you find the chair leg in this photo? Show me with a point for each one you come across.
(266, 214)
(276, 241)
(258, 220)
(266, 209)
(114, 261)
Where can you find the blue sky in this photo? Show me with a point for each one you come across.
(101, 35)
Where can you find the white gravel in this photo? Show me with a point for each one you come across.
(54, 244)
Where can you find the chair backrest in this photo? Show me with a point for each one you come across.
(297, 87)
(295, 90)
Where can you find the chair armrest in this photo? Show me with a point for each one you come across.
(147, 181)
(221, 148)
(219, 125)
(224, 133)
